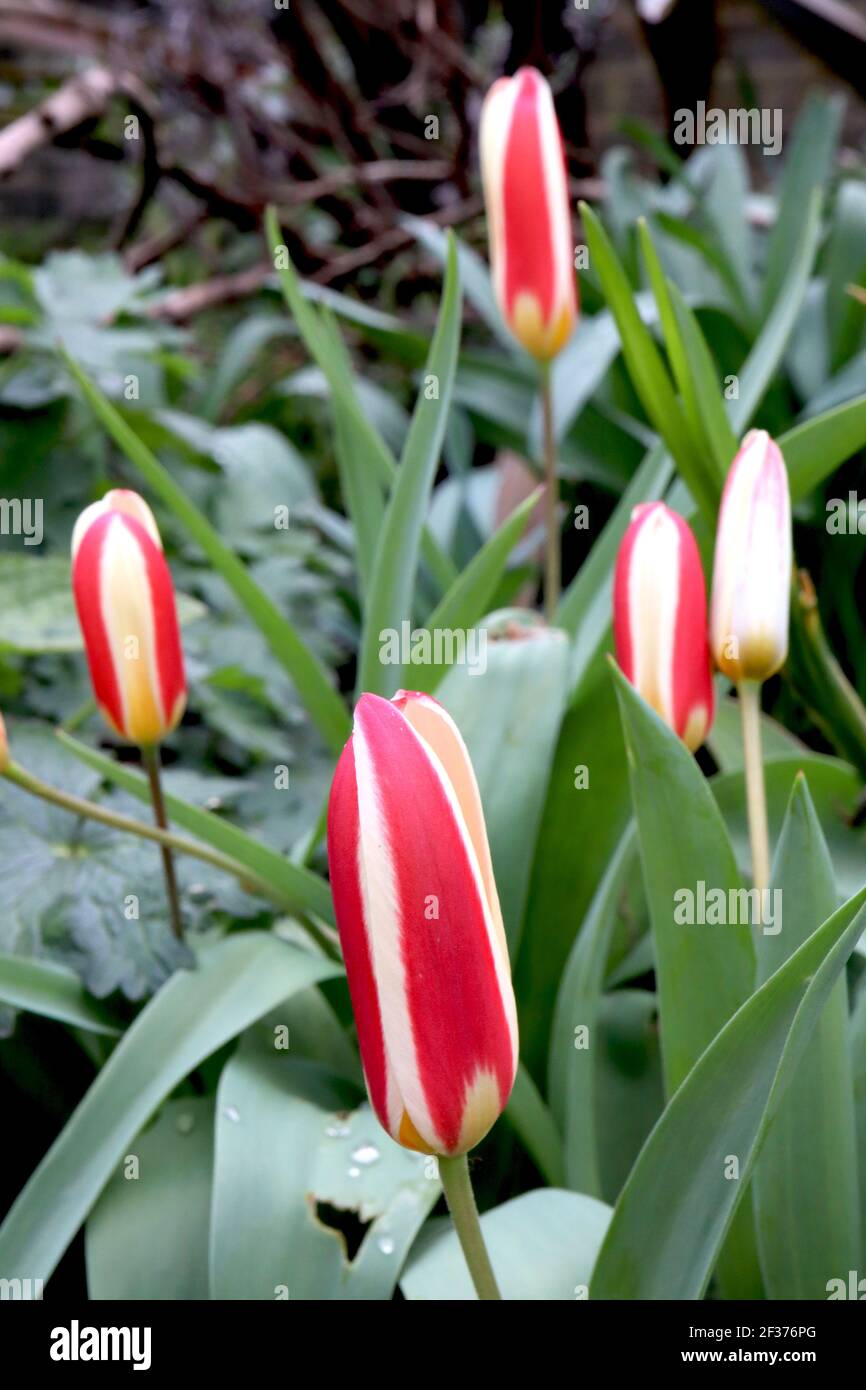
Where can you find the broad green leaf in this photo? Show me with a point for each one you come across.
(586, 810)
(645, 365)
(704, 971)
(270, 1107)
(535, 1127)
(509, 714)
(572, 1067)
(147, 1237)
(628, 1081)
(808, 165)
(298, 888)
(542, 1246)
(807, 1201)
(846, 264)
(671, 1219)
(195, 1013)
(815, 448)
(41, 987)
(676, 348)
(725, 740)
(320, 699)
(768, 350)
(389, 600)
(465, 603)
(836, 790)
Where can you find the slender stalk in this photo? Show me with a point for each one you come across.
(750, 712)
(151, 760)
(250, 881)
(552, 567)
(457, 1186)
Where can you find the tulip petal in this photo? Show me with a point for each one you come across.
(446, 1019)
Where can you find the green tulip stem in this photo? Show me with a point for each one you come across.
(151, 760)
(552, 569)
(756, 799)
(457, 1186)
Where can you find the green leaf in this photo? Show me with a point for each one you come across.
(320, 699)
(370, 451)
(474, 275)
(299, 888)
(585, 813)
(509, 716)
(194, 1014)
(41, 987)
(704, 972)
(572, 1069)
(671, 1219)
(535, 1127)
(268, 1108)
(846, 264)
(644, 363)
(542, 1246)
(805, 1184)
(719, 439)
(768, 350)
(858, 1067)
(836, 790)
(392, 586)
(467, 600)
(812, 450)
(809, 165)
(147, 1237)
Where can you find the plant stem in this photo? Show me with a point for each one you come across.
(552, 569)
(457, 1186)
(151, 761)
(250, 881)
(750, 712)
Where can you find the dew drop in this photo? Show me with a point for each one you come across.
(232, 1114)
(185, 1123)
(337, 1131)
(354, 1172)
(386, 1245)
(365, 1154)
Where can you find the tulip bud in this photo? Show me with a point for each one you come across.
(660, 620)
(420, 926)
(526, 192)
(4, 748)
(126, 609)
(752, 568)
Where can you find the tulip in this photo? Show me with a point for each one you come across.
(126, 609)
(752, 569)
(525, 189)
(660, 620)
(420, 926)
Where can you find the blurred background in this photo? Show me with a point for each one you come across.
(349, 113)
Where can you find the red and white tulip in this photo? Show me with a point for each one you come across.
(126, 608)
(751, 594)
(528, 211)
(420, 926)
(660, 620)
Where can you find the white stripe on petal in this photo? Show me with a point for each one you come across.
(653, 599)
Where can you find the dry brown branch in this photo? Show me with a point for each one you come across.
(72, 105)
